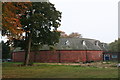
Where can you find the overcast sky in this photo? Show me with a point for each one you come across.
(95, 19)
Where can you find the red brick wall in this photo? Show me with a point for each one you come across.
(61, 56)
(18, 56)
(95, 55)
(73, 56)
(45, 56)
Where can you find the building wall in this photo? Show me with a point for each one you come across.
(60, 56)
(113, 56)
(95, 55)
(18, 56)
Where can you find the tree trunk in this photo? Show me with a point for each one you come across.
(28, 47)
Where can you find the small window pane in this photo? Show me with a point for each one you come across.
(114, 56)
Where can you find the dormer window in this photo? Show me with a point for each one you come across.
(103, 45)
(67, 43)
(97, 43)
(83, 42)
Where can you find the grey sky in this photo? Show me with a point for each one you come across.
(96, 19)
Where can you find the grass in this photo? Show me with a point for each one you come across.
(45, 70)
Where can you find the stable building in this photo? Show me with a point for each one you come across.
(66, 51)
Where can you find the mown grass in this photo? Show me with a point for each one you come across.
(44, 70)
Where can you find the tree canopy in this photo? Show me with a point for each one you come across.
(115, 46)
(42, 21)
(5, 50)
(73, 34)
(38, 20)
(11, 12)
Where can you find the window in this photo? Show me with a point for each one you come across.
(67, 43)
(83, 42)
(97, 43)
(102, 44)
(114, 56)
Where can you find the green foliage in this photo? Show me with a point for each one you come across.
(5, 51)
(42, 20)
(52, 48)
(115, 46)
(39, 22)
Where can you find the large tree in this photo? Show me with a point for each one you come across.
(40, 25)
(39, 21)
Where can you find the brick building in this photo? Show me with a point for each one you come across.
(67, 50)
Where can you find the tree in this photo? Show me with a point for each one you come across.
(75, 34)
(5, 50)
(0, 16)
(37, 23)
(11, 13)
(11, 25)
(115, 46)
(62, 34)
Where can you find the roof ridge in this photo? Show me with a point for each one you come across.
(79, 38)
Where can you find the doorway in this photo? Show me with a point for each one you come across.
(106, 57)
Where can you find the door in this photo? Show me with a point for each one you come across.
(107, 57)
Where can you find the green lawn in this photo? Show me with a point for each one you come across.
(45, 70)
